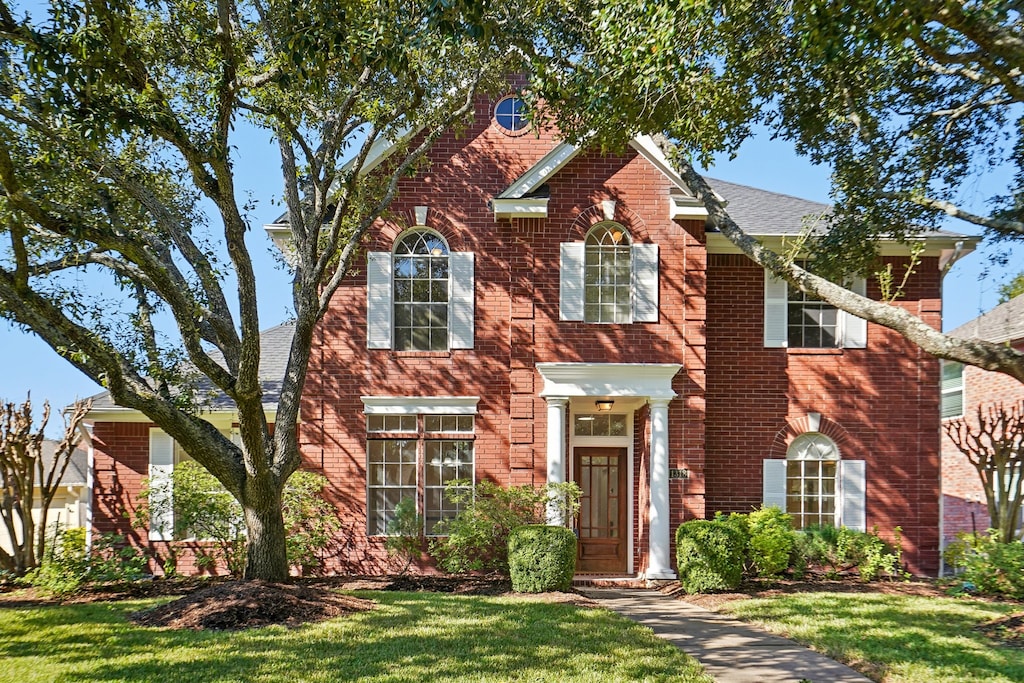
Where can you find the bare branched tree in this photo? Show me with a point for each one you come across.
(993, 442)
(26, 475)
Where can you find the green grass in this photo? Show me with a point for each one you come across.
(410, 637)
(893, 638)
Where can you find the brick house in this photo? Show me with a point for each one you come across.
(964, 390)
(532, 311)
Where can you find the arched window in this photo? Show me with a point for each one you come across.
(607, 274)
(420, 280)
(812, 474)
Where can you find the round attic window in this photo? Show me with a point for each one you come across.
(510, 115)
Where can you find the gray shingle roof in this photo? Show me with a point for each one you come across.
(1004, 323)
(75, 474)
(760, 212)
(274, 346)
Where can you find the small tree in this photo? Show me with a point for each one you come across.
(26, 474)
(994, 443)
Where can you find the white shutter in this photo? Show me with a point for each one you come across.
(161, 501)
(460, 302)
(852, 474)
(570, 291)
(378, 300)
(855, 330)
(776, 312)
(645, 283)
(773, 483)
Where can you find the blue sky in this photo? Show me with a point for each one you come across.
(970, 288)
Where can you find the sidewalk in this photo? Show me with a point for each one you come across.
(730, 650)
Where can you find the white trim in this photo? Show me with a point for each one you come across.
(649, 380)
(421, 215)
(550, 164)
(681, 208)
(536, 207)
(420, 405)
(934, 245)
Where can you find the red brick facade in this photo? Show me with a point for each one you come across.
(734, 400)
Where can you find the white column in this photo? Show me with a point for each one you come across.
(659, 559)
(556, 448)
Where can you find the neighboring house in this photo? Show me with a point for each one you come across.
(964, 390)
(530, 311)
(70, 506)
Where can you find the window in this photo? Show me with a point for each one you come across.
(811, 473)
(510, 114)
(599, 424)
(416, 457)
(815, 486)
(421, 292)
(952, 389)
(419, 297)
(812, 322)
(608, 278)
(797, 320)
(607, 275)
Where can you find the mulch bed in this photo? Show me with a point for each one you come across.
(1008, 630)
(234, 605)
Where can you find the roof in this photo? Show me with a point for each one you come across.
(275, 344)
(1004, 323)
(760, 212)
(75, 474)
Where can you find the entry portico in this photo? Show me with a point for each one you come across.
(574, 388)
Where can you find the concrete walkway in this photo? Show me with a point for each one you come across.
(730, 650)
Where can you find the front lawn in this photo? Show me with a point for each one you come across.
(409, 637)
(893, 638)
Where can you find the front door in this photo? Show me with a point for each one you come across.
(601, 475)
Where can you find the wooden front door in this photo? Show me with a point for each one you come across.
(601, 474)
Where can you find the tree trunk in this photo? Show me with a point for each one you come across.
(266, 553)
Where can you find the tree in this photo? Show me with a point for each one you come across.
(909, 103)
(1011, 289)
(24, 471)
(117, 122)
(994, 443)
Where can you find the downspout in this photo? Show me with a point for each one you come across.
(957, 254)
(90, 481)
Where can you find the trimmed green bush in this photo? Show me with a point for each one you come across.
(541, 558)
(770, 541)
(709, 556)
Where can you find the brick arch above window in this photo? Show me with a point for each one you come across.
(391, 230)
(594, 215)
(802, 425)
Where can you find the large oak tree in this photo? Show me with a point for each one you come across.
(117, 125)
(910, 103)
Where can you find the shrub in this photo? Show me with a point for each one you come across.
(990, 567)
(476, 539)
(541, 558)
(310, 520)
(67, 568)
(405, 533)
(843, 549)
(771, 541)
(709, 555)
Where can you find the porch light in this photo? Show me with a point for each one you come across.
(604, 405)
